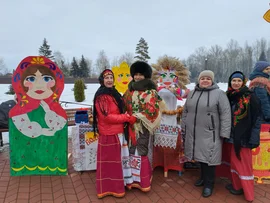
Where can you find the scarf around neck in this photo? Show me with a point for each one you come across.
(142, 85)
(261, 82)
(241, 99)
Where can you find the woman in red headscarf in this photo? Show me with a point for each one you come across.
(38, 124)
(113, 168)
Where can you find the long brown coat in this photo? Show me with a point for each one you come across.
(206, 120)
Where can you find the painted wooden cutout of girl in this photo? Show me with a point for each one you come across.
(38, 124)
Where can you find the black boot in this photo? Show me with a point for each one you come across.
(198, 183)
(236, 192)
(207, 192)
(229, 187)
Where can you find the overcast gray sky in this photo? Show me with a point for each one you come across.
(172, 27)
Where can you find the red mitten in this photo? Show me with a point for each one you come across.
(132, 120)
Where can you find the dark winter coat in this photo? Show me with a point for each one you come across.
(206, 120)
(246, 120)
(260, 84)
(4, 110)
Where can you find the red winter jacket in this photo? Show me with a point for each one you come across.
(112, 122)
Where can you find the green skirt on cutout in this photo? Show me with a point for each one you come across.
(44, 155)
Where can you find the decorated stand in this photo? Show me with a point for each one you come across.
(37, 123)
(171, 77)
(261, 156)
(84, 142)
(84, 147)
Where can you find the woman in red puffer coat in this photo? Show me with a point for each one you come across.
(113, 169)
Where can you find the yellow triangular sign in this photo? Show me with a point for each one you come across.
(266, 16)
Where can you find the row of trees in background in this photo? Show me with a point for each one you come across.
(224, 61)
(84, 68)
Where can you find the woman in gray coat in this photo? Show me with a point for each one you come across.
(206, 120)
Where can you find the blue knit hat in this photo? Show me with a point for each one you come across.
(237, 75)
(261, 65)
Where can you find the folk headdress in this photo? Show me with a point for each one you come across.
(103, 75)
(26, 73)
(170, 71)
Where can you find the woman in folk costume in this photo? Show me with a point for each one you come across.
(171, 77)
(245, 135)
(113, 170)
(142, 101)
(260, 84)
(38, 123)
(206, 120)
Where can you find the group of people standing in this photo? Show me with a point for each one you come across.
(126, 126)
(219, 129)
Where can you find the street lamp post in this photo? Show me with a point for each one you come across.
(205, 64)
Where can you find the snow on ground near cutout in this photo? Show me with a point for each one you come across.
(68, 95)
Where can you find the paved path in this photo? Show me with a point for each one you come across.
(80, 188)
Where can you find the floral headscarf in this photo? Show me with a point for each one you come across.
(25, 103)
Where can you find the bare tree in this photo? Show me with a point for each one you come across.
(197, 62)
(232, 55)
(202, 58)
(89, 65)
(3, 69)
(215, 64)
(128, 57)
(258, 47)
(248, 53)
(58, 57)
(225, 61)
(61, 62)
(115, 61)
(102, 62)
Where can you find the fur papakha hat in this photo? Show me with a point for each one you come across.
(141, 67)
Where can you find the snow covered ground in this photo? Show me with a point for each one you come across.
(68, 95)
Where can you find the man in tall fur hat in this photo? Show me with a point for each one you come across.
(142, 101)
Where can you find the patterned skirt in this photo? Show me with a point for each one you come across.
(113, 169)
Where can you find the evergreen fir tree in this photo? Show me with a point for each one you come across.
(84, 69)
(75, 69)
(44, 50)
(79, 90)
(64, 68)
(262, 56)
(11, 90)
(142, 51)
